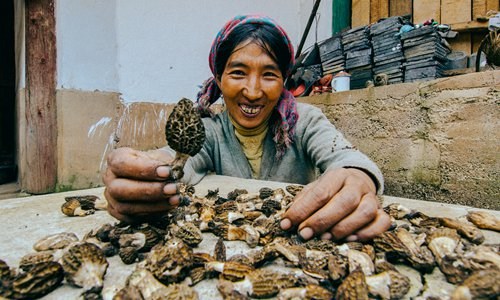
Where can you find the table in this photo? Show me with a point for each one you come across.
(26, 220)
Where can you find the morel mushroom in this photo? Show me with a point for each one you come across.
(185, 134)
(38, 281)
(84, 266)
(55, 241)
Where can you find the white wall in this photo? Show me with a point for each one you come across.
(87, 49)
(156, 50)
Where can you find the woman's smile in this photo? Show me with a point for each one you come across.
(251, 85)
(250, 111)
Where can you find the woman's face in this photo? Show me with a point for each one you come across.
(251, 85)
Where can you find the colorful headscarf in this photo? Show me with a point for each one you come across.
(283, 127)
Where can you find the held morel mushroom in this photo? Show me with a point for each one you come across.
(185, 134)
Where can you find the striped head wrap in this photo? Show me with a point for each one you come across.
(283, 127)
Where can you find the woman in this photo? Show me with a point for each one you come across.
(265, 134)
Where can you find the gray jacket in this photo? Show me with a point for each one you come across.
(318, 146)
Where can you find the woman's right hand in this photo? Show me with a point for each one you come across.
(138, 184)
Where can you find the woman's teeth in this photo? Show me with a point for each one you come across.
(250, 109)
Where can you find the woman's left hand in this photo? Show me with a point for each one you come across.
(342, 203)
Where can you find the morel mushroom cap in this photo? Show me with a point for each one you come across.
(85, 265)
(170, 262)
(38, 281)
(184, 130)
(188, 232)
(260, 283)
(31, 259)
(310, 291)
(55, 241)
(185, 134)
(484, 220)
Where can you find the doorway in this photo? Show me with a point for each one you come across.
(8, 167)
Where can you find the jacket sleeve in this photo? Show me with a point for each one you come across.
(329, 149)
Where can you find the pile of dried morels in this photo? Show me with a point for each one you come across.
(279, 265)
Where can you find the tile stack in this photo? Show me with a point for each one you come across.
(425, 54)
(358, 55)
(387, 49)
(332, 55)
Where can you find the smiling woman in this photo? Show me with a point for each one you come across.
(264, 134)
(266, 60)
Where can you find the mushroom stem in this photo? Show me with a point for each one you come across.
(178, 165)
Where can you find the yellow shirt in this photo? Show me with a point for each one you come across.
(251, 141)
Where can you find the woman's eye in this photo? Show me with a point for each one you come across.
(237, 72)
(270, 74)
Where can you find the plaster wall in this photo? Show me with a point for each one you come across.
(436, 140)
(157, 51)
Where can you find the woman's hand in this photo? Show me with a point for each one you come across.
(342, 203)
(137, 187)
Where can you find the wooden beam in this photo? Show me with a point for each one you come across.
(481, 7)
(360, 13)
(424, 10)
(400, 7)
(40, 101)
(492, 5)
(456, 11)
(378, 9)
(470, 26)
(478, 8)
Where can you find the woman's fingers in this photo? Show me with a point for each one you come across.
(339, 203)
(313, 197)
(361, 222)
(130, 163)
(124, 190)
(333, 212)
(136, 184)
(365, 213)
(381, 223)
(136, 210)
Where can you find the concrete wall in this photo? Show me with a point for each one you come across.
(437, 140)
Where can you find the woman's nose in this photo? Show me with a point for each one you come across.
(253, 89)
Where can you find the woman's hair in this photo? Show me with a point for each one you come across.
(264, 35)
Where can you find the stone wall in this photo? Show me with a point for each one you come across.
(436, 140)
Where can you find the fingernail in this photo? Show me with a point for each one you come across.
(163, 171)
(351, 238)
(173, 200)
(306, 233)
(285, 224)
(170, 189)
(326, 236)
